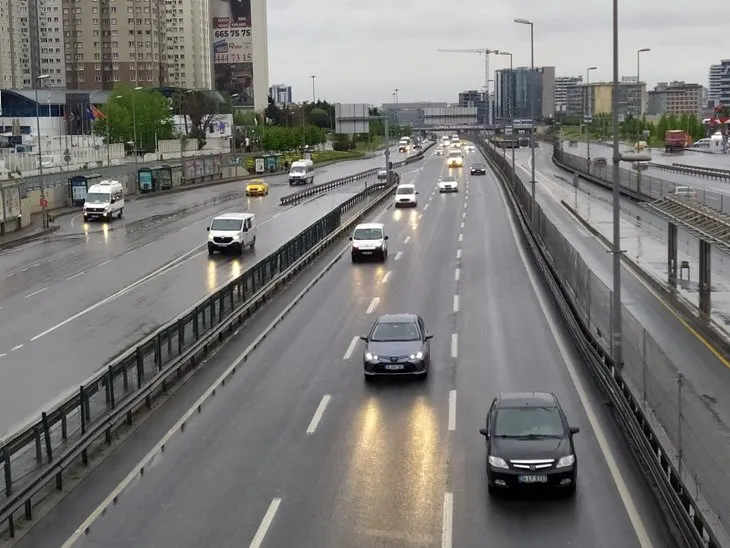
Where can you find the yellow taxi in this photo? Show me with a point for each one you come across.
(257, 187)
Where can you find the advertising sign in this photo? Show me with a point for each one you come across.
(233, 49)
(11, 201)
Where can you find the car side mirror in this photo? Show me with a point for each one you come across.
(416, 192)
(364, 338)
(484, 432)
(245, 229)
(428, 336)
(350, 238)
(574, 429)
(207, 228)
(385, 238)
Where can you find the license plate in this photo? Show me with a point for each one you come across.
(394, 367)
(533, 479)
(366, 252)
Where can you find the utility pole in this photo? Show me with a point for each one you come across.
(44, 216)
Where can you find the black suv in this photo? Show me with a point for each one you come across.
(478, 169)
(529, 443)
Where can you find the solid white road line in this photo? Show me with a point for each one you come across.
(457, 274)
(458, 253)
(312, 428)
(398, 255)
(373, 304)
(258, 539)
(572, 368)
(36, 292)
(76, 275)
(454, 345)
(18, 347)
(102, 264)
(386, 277)
(408, 239)
(447, 527)
(452, 410)
(456, 303)
(351, 348)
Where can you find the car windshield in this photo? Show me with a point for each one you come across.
(297, 169)
(405, 190)
(97, 198)
(520, 422)
(478, 166)
(367, 234)
(455, 154)
(226, 224)
(396, 331)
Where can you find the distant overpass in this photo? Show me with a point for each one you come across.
(455, 127)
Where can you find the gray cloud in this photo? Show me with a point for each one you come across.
(360, 51)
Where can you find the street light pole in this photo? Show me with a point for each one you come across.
(134, 124)
(616, 342)
(314, 95)
(511, 100)
(532, 114)
(44, 217)
(638, 78)
(397, 117)
(589, 114)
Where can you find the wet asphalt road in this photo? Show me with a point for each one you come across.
(71, 304)
(395, 464)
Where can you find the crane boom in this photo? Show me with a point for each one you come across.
(465, 50)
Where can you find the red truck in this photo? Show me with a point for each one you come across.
(675, 140)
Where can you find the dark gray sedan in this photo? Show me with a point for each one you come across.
(478, 169)
(397, 344)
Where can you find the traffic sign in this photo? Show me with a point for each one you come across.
(66, 156)
(44, 202)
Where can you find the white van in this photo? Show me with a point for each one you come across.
(369, 240)
(232, 232)
(405, 195)
(301, 172)
(103, 200)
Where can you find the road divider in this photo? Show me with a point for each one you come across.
(651, 451)
(313, 190)
(698, 171)
(36, 459)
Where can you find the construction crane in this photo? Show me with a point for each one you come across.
(485, 52)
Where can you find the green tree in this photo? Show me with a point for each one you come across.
(204, 109)
(147, 111)
(282, 139)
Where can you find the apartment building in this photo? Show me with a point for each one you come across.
(28, 50)
(281, 94)
(477, 99)
(110, 42)
(522, 86)
(188, 43)
(597, 98)
(562, 84)
(676, 98)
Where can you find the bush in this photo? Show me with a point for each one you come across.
(341, 146)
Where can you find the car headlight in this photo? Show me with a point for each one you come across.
(210, 236)
(564, 462)
(417, 356)
(356, 245)
(371, 357)
(498, 462)
(236, 236)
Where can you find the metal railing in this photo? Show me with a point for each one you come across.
(670, 429)
(313, 190)
(34, 460)
(635, 184)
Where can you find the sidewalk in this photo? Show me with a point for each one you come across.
(647, 248)
(34, 230)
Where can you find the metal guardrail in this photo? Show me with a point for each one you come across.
(41, 453)
(636, 185)
(698, 171)
(324, 187)
(689, 525)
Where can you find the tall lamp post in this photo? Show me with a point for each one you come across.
(134, 124)
(511, 100)
(314, 95)
(397, 118)
(638, 78)
(589, 114)
(44, 217)
(532, 113)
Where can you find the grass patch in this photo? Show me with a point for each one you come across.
(330, 155)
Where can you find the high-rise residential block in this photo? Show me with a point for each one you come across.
(188, 43)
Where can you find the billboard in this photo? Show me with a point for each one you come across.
(233, 49)
(352, 118)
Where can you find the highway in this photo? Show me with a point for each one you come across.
(71, 304)
(660, 157)
(704, 367)
(297, 450)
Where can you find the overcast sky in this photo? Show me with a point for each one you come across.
(360, 51)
